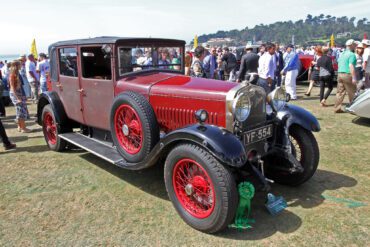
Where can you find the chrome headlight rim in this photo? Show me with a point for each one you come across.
(277, 99)
(234, 107)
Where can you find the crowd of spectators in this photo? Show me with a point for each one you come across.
(271, 65)
(23, 78)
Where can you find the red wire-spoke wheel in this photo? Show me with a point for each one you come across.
(133, 125)
(50, 128)
(193, 188)
(129, 129)
(201, 189)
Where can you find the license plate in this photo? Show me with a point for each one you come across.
(257, 134)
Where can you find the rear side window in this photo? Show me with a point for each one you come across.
(95, 64)
(68, 62)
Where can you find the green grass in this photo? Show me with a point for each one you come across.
(76, 199)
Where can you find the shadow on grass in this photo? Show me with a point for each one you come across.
(361, 121)
(316, 98)
(17, 139)
(30, 149)
(308, 195)
(150, 180)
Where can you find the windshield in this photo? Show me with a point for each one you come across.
(132, 59)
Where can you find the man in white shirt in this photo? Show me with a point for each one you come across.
(43, 68)
(366, 64)
(266, 68)
(32, 77)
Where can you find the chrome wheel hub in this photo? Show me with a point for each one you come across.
(125, 130)
(189, 189)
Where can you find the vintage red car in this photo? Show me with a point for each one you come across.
(127, 101)
(306, 64)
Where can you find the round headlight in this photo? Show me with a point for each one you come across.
(242, 107)
(278, 99)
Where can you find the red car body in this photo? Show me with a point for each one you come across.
(127, 101)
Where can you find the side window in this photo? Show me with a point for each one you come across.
(137, 58)
(95, 64)
(68, 62)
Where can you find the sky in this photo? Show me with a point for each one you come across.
(51, 21)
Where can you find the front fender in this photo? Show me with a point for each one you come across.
(293, 114)
(224, 145)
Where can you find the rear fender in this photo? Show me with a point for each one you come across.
(53, 99)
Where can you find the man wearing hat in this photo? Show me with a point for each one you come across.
(249, 65)
(346, 75)
(291, 71)
(366, 64)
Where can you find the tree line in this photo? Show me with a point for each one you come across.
(312, 30)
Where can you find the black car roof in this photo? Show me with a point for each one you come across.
(110, 40)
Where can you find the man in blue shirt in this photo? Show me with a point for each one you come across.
(210, 64)
(291, 71)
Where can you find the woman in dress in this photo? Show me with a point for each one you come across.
(18, 97)
(315, 71)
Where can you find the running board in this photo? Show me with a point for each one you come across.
(95, 147)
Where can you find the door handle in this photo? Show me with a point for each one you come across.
(80, 90)
(59, 85)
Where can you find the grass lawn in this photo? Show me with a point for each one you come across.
(75, 199)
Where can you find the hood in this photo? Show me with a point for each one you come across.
(191, 87)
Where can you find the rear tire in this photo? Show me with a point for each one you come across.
(51, 130)
(202, 190)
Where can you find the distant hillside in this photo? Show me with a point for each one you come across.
(314, 29)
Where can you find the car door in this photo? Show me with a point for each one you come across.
(96, 86)
(68, 85)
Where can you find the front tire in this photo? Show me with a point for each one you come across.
(51, 130)
(306, 151)
(202, 190)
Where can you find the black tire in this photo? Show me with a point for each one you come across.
(56, 144)
(225, 191)
(304, 145)
(149, 125)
